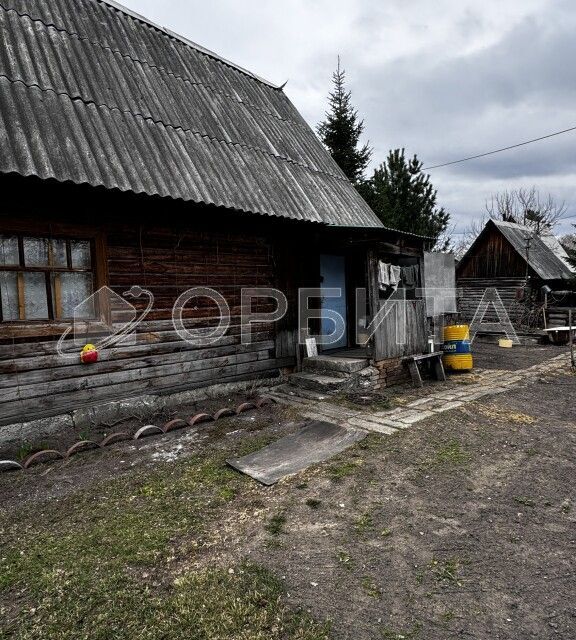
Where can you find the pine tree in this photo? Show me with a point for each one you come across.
(341, 131)
(569, 244)
(403, 198)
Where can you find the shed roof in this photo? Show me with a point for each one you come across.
(541, 256)
(92, 93)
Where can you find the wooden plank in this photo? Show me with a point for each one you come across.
(58, 403)
(415, 374)
(21, 380)
(180, 371)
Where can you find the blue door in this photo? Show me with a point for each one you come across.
(333, 276)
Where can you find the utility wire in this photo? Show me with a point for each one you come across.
(490, 153)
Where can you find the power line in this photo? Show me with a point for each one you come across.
(490, 153)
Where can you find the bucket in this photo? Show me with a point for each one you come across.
(457, 351)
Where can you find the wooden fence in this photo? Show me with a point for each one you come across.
(403, 332)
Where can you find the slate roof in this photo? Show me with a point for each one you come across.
(92, 93)
(541, 257)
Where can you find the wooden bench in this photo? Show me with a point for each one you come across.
(433, 359)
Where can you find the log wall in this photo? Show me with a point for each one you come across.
(156, 248)
(471, 291)
(35, 381)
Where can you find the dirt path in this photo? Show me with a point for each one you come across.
(462, 525)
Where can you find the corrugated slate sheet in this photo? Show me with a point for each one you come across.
(541, 258)
(91, 94)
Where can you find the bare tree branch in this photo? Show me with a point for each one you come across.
(526, 206)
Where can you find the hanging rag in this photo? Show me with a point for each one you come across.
(383, 275)
(410, 276)
(395, 273)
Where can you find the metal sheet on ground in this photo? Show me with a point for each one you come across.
(313, 443)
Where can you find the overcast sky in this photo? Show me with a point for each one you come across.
(444, 79)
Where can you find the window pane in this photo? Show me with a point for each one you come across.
(35, 301)
(58, 253)
(71, 290)
(9, 295)
(9, 250)
(81, 254)
(36, 252)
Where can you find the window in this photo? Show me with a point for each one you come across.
(45, 279)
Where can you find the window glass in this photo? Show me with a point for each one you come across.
(80, 254)
(58, 256)
(9, 251)
(36, 252)
(9, 295)
(54, 281)
(35, 299)
(72, 290)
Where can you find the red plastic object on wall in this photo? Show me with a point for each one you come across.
(89, 354)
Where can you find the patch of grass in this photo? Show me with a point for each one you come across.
(339, 470)
(446, 571)
(527, 502)
(371, 588)
(386, 532)
(97, 565)
(313, 503)
(275, 525)
(345, 559)
(364, 523)
(27, 449)
(372, 443)
(451, 453)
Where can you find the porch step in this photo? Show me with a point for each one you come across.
(318, 382)
(334, 365)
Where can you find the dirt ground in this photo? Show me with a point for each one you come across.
(488, 355)
(462, 526)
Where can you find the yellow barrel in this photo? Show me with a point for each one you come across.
(457, 351)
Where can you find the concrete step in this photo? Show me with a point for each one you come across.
(318, 382)
(293, 391)
(334, 365)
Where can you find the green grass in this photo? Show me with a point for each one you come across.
(342, 469)
(275, 525)
(364, 523)
(451, 453)
(99, 565)
(446, 571)
(371, 588)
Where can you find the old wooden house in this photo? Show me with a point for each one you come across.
(131, 157)
(518, 263)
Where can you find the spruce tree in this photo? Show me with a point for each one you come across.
(403, 198)
(341, 131)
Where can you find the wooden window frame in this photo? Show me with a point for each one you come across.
(39, 328)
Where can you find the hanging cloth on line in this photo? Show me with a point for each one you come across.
(410, 276)
(383, 275)
(388, 276)
(395, 276)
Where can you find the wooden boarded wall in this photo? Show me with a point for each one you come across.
(492, 256)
